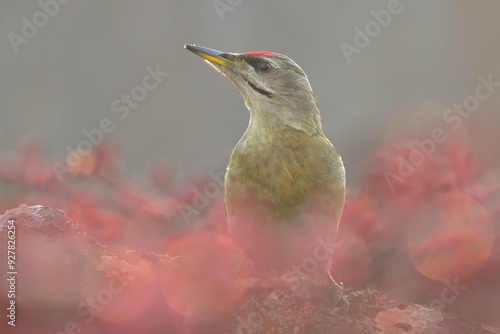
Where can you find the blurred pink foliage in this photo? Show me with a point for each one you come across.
(437, 225)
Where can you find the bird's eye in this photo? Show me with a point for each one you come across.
(265, 67)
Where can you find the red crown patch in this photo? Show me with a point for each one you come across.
(260, 53)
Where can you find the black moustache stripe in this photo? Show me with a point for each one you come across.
(260, 90)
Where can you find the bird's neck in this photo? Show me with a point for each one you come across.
(267, 123)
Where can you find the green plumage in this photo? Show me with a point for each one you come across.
(285, 183)
(287, 170)
(281, 196)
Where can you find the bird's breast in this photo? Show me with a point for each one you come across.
(284, 174)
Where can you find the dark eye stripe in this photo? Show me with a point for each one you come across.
(253, 61)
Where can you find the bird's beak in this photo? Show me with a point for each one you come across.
(211, 55)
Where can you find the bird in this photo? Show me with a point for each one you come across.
(285, 182)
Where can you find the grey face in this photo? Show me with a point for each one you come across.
(266, 75)
(275, 89)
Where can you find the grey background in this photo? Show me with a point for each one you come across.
(66, 77)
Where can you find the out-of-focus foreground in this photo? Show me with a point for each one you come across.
(425, 229)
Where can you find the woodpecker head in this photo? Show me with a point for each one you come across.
(275, 89)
